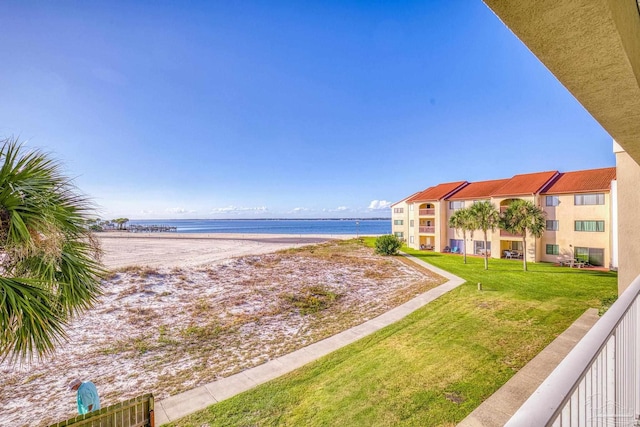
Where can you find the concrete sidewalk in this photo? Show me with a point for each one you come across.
(191, 401)
(501, 405)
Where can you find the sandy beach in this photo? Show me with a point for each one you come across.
(180, 311)
(123, 249)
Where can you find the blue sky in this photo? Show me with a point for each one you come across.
(281, 109)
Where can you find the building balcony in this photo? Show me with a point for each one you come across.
(507, 234)
(425, 229)
(426, 212)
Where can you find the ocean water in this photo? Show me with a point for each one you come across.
(363, 227)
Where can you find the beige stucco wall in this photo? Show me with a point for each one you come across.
(628, 177)
(477, 234)
(413, 210)
(567, 213)
(441, 225)
(452, 233)
(404, 216)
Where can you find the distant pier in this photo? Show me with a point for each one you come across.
(151, 228)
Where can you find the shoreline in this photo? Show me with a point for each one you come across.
(226, 236)
(123, 249)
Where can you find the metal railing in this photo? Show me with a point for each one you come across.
(423, 212)
(136, 412)
(424, 229)
(598, 383)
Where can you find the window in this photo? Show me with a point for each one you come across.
(552, 201)
(410, 239)
(398, 210)
(478, 247)
(589, 199)
(514, 245)
(457, 245)
(411, 208)
(594, 256)
(399, 234)
(552, 225)
(411, 223)
(398, 222)
(589, 226)
(456, 205)
(553, 250)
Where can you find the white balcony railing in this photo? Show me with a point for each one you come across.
(598, 383)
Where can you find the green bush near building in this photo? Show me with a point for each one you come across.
(387, 245)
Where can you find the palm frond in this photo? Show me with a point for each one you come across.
(28, 323)
(48, 256)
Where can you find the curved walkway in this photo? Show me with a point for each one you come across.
(191, 401)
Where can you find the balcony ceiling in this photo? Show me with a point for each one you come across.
(593, 48)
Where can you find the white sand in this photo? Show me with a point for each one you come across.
(189, 250)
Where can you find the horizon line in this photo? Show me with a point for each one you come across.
(264, 219)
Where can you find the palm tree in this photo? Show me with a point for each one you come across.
(50, 269)
(523, 217)
(486, 217)
(121, 222)
(463, 221)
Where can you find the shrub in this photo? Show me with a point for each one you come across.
(388, 245)
(312, 299)
(606, 303)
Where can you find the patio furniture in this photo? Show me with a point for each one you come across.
(579, 264)
(563, 260)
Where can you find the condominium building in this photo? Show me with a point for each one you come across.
(425, 212)
(577, 205)
(580, 217)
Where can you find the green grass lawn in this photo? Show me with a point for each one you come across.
(435, 366)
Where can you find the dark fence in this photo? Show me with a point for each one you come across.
(136, 412)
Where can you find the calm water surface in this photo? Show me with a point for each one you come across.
(276, 226)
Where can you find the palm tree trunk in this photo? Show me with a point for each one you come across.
(524, 250)
(486, 257)
(464, 244)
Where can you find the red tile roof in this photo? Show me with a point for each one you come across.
(478, 190)
(582, 181)
(438, 192)
(400, 201)
(529, 183)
